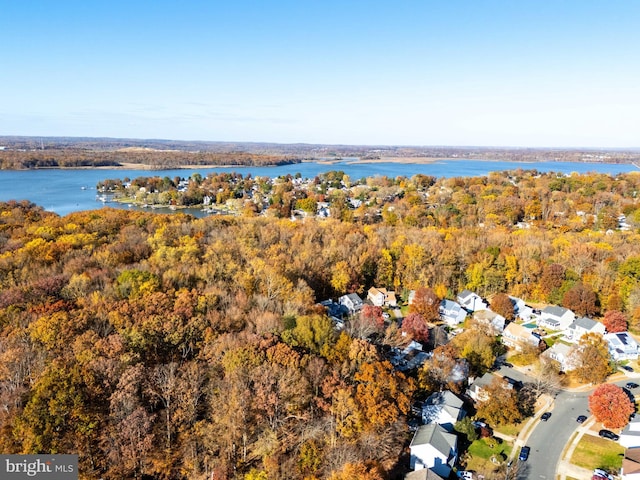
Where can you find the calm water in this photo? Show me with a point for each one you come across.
(66, 191)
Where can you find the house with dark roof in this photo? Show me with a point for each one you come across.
(435, 449)
(556, 318)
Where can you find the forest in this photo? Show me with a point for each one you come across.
(173, 347)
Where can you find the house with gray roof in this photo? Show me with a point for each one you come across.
(581, 326)
(476, 388)
(491, 319)
(443, 408)
(622, 346)
(471, 301)
(630, 435)
(563, 354)
(556, 318)
(434, 448)
(452, 313)
(352, 301)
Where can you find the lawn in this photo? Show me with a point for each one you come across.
(595, 452)
(480, 453)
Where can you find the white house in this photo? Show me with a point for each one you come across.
(561, 353)
(556, 318)
(471, 301)
(381, 297)
(622, 346)
(581, 326)
(490, 319)
(521, 310)
(352, 301)
(452, 313)
(476, 390)
(517, 337)
(434, 448)
(631, 464)
(443, 408)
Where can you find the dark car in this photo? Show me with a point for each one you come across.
(524, 453)
(581, 419)
(517, 384)
(631, 385)
(608, 434)
(627, 368)
(545, 416)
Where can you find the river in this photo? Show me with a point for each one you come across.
(71, 190)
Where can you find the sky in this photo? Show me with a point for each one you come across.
(520, 73)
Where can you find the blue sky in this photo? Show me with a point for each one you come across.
(562, 73)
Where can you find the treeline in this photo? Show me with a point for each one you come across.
(161, 159)
(164, 346)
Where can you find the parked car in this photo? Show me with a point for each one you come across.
(627, 368)
(524, 453)
(545, 416)
(465, 475)
(631, 385)
(581, 418)
(600, 473)
(517, 384)
(608, 434)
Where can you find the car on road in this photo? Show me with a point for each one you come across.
(608, 434)
(545, 416)
(524, 453)
(627, 368)
(631, 385)
(581, 418)
(517, 384)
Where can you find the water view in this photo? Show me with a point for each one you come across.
(66, 191)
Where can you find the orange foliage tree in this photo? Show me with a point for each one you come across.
(611, 405)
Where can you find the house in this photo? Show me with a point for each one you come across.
(631, 464)
(562, 354)
(443, 408)
(381, 297)
(476, 388)
(491, 319)
(556, 318)
(352, 301)
(521, 310)
(452, 313)
(622, 346)
(411, 357)
(630, 435)
(433, 448)
(517, 336)
(424, 474)
(471, 301)
(581, 326)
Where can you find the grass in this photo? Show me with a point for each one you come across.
(512, 429)
(595, 452)
(479, 455)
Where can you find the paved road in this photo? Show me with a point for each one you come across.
(548, 439)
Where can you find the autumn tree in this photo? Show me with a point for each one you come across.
(591, 357)
(478, 348)
(615, 321)
(611, 405)
(501, 406)
(581, 299)
(426, 303)
(503, 305)
(416, 327)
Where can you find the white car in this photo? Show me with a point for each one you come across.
(598, 472)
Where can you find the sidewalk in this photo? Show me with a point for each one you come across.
(565, 468)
